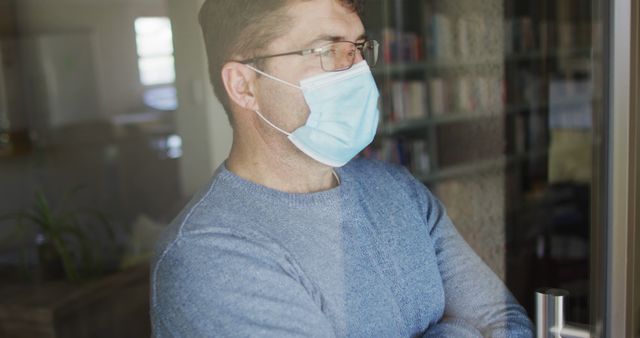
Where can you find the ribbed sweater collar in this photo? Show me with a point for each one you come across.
(249, 188)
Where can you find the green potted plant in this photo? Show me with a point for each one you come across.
(64, 237)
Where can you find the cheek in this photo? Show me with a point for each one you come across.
(283, 105)
(296, 110)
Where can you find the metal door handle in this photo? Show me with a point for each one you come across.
(550, 316)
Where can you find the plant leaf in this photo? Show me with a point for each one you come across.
(43, 211)
(67, 260)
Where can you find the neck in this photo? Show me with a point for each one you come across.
(280, 167)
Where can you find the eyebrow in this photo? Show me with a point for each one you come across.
(332, 38)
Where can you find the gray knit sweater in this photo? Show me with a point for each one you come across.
(376, 256)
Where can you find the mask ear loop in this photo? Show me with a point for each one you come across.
(335, 175)
(271, 124)
(275, 79)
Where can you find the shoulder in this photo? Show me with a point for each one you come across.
(219, 279)
(386, 179)
(210, 234)
(213, 258)
(209, 226)
(375, 170)
(190, 215)
(215, 245)
(372, 165)
(394, 184)
(212, 210)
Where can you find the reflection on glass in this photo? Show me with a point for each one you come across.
(78, 125)
(494, 105)
(155, 50)
(161, 98)
(154, 36)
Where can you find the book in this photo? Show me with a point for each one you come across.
(441, 37)
(437, 96)
(408, 100)
(412, 153)
(399, 46)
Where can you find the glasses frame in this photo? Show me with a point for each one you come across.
(319, 50)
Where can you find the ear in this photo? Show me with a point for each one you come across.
(238, 81)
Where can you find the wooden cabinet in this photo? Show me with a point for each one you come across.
(114, 306)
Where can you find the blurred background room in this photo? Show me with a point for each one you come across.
(98, 152)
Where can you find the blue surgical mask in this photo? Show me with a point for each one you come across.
(343, 116)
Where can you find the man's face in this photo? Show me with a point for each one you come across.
(315, 23)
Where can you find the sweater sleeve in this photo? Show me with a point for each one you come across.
(477, 303)
(219, 284)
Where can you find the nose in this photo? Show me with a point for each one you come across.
(358, 57)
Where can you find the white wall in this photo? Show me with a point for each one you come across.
(202, 123)
(111, 22)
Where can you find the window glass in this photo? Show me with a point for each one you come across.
(154, 40)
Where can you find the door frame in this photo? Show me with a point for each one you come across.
(633, 305)
(621, 192)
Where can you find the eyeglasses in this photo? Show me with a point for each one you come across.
(336, 56)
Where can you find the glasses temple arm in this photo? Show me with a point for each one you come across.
(297, 52)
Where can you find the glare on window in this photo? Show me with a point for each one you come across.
(155, 50)
(156, 64)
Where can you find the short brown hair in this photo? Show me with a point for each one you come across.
(243, 28)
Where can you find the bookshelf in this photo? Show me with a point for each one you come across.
(448, 63)
(473, 93)
(433, 74)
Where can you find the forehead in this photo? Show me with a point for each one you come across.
(313, 19)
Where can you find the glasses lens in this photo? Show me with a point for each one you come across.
(341, 55)
(338, 56)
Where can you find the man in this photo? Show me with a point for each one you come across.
(293, 238)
